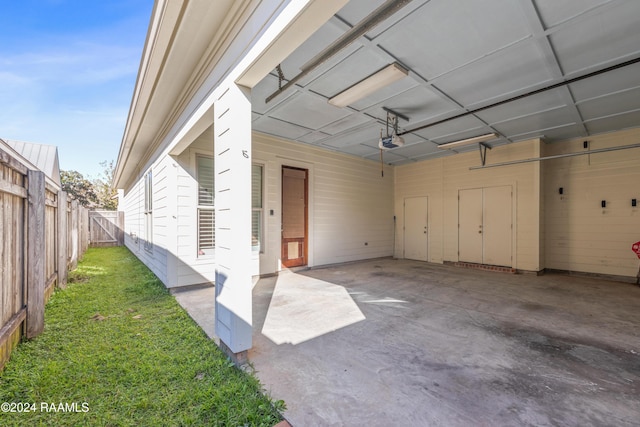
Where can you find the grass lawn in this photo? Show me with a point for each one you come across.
(119, 351)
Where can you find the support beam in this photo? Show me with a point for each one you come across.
(483, 152)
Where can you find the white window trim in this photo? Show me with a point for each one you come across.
(263, 208)
(148, 210)
(195, 153)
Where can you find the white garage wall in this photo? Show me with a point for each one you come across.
(350, 204)
(581, 235)
(441, 179)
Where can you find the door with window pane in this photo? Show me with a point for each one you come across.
(294, 216)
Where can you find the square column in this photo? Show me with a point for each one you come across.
(232, 150)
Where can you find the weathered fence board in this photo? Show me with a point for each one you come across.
(61, 238)
(35, 254)
(35, 250)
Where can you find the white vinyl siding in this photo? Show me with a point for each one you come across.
(144, 223)
(206, 216)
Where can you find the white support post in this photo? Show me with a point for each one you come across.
(232, 150)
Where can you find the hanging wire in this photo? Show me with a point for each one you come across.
(280, 76)
(381, 161)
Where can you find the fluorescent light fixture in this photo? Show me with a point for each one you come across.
(376, 81)
(468, 141)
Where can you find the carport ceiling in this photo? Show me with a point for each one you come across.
(463, 55)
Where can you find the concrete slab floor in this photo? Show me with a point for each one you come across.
(394, 342)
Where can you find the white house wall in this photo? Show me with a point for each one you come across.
(190, 269)
(350, 204)
(155, 259)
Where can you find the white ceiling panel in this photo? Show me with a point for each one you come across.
(356, 10)
(281, 128)
(620, 121)
(611, 104)
(467, 125)
(356, 67)
(523, 107)
(443, 35)
(506, 72)
(554, 117)
(313, 137)
(360, 150)
(605, 38)
(554, 12)
(552, 134)
(348, 122)
(309, 111)
(462, 55)
(383, 95)
(614, 81)
(363, 135)
(419, 104)
(326, 35)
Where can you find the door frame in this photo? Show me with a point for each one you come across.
(305, 246)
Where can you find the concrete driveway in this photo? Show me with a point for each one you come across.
(401, 343)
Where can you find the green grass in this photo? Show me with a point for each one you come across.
(117, 340)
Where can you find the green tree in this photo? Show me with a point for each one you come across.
(78, 187)
(106, 196)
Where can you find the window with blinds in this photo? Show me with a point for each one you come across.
(256, 208)
(206, 213)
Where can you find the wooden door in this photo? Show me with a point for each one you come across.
(416, 237)
(294, 216)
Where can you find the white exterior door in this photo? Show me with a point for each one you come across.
(485, 225)
(470, 225)
(496, 227)
(416, 236)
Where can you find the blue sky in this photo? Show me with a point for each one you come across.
(67, 73)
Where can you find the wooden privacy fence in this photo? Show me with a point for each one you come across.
(106, 228)
(43, 235)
